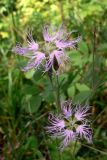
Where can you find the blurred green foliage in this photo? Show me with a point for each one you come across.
(27, 98)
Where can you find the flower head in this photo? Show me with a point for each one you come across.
(51, 52)
(68, 127)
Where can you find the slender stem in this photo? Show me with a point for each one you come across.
(60, 156)
(59, 153)
(74, 149)
(61, 9)
(58, 104)
(54, 91)
(58, 92)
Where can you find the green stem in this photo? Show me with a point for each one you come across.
(59, 153)
(74, 150)
(58, 92)
(53, 88)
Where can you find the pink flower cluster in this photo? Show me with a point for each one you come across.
(71, 124)
(52, 56)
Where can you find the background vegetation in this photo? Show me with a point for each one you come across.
(25, 98)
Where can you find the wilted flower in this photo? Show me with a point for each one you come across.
(68, 126)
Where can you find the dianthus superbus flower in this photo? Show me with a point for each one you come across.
(51, 54)
(68, 126)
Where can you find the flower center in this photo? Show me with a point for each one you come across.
(72, 123)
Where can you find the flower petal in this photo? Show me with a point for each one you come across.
(50, 34)
(85, 131)
(82, 112)
(66, 109)
(18, 49)
(35, 61)
(61, 44)
(32, 45)
(69, 136)
(56, 125)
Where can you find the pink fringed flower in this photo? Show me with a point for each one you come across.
(52, 51)
(68, 127)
